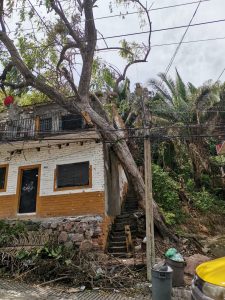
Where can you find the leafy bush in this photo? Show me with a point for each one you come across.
(9, 231)
(165, 190)
(203, 200)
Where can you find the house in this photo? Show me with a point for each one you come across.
(53, 165)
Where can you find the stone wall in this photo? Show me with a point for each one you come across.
(83, 232)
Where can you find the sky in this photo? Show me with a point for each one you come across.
(196, 62)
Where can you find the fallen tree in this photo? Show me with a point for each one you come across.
(63, 39)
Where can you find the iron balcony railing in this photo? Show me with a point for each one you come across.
(40, 126)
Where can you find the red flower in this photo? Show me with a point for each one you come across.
(8, 100)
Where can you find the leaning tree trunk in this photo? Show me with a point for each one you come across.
(127, 161)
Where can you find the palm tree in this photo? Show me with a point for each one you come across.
(186, 109)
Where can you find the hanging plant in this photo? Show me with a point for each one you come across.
(8, 100)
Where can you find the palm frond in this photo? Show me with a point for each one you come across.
(160, 89)
(181, 87)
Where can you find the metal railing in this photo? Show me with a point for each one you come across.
(40, 126)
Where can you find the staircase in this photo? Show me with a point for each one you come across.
(117, 238)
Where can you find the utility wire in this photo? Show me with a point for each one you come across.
(156, 30)
(141, 47)
(182, 38)
(220, 75)
(122, 14)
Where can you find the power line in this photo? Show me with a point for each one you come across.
(155, 30)
(182, 38)
(220, 75)
(124, 14)
(141, 47)
(108, 17)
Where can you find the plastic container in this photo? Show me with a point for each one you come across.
(178, 271)
(162, 283)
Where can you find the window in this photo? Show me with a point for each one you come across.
(72, 175)
(45, 125)
(71, 122)
(3, 177)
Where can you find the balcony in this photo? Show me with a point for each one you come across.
(37, 127)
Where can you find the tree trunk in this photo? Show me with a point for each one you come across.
(127, 161)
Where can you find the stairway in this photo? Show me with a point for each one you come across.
(117, 238)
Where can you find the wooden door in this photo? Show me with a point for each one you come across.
(28, 191)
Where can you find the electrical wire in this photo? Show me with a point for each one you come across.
(156, 30)
(122, 14)
(221, 74)
(182, 38)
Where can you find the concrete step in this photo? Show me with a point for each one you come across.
(118, 249)
(123, 216)
(120, 255)
(121, 227)
(117, 244)
(117, 238)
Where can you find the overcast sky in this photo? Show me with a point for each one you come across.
(196, 62)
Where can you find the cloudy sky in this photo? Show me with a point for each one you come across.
(196, 62)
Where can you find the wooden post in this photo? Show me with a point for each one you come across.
(150, 243)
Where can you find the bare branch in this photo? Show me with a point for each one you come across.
(71, 82)
(2, 16)
(63, 52)
(72, 32)
(7, 69)
(148, 47)
(91, 39)
(115, 48)
(16, 86)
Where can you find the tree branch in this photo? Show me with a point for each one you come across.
(91, 39)
(71, 82)
(16, 86)
(2, 16)
(7, 69)
(148, 47)
(63, 52)
(115, 48)
(72, 32)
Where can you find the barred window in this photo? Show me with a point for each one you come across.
(72, 175)
(71, 122)
(3, 171)
(45, 124)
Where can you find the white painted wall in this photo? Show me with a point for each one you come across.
(49, 158)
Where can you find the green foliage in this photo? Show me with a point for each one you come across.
(56, 252)
(7, 231)
(170, 218)
(31, 98)
(203, 200)
(165, 190)
(103, 77)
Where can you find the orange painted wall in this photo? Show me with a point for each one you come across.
(71, 204)
(57, 205)
(8, 206)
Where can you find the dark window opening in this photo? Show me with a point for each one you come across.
(46, 125)
(71, 122)
(72, 175)
(2, 177)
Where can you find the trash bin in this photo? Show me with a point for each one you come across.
(161, 282)
(178, 271)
